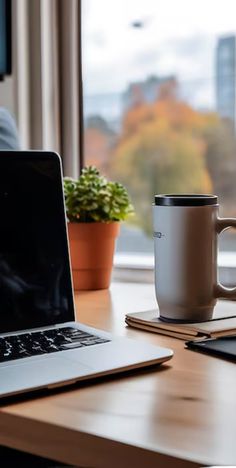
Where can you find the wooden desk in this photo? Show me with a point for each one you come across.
(182, 415)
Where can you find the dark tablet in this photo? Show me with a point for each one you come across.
(224, 347)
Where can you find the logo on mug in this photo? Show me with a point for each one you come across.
(158, 234)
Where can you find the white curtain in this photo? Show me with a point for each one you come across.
(47, 72)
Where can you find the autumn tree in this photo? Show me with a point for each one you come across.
(221, 163)
(162, 149)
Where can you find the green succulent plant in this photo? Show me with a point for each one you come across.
(92, 198)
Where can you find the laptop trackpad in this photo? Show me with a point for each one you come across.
(39, 373)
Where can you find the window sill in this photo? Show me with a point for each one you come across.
(140, 268)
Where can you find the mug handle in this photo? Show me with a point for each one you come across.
(221, 225)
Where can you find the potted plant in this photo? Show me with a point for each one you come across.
(94, 208)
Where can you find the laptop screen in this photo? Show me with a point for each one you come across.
(35, 281)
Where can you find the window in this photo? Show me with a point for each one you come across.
(157, 115)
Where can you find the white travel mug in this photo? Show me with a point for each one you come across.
(186, 229)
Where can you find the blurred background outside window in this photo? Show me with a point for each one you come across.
(159, 98)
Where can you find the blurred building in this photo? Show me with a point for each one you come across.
(153, 88)
(108, 106)
(225, 77)
(99, 139)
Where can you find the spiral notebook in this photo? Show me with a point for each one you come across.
(223, 323)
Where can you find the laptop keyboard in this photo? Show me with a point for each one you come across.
(43, 342)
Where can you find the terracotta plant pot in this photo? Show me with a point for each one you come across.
(92, 248)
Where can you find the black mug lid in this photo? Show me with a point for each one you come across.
(187, 199)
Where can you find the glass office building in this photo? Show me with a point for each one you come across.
(225, 77)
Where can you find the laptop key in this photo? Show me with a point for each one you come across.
(52, 349)
(71, 346)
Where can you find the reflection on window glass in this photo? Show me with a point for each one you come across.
(159, 102)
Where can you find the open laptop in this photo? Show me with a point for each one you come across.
(41, 345)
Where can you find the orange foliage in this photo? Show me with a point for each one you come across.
(179, 115)
(96, 148)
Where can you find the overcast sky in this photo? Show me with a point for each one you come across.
(176, 37)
